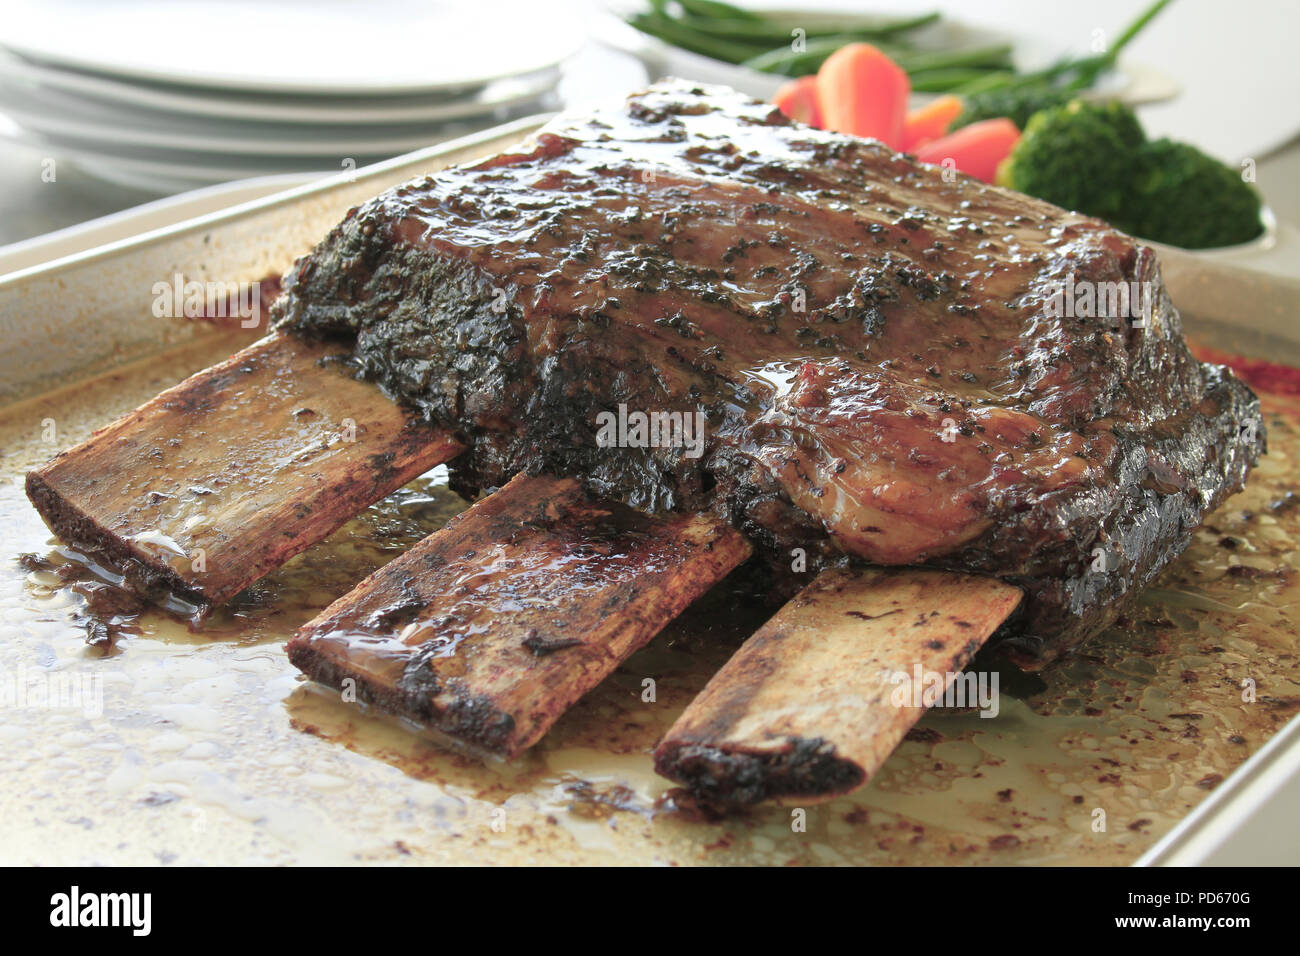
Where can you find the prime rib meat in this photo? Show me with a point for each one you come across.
(875, 346)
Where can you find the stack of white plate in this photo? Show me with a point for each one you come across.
(168, 96)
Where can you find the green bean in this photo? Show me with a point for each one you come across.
(1134, 28)
(762, 41)
(777, 31)
(1068, 74)
(672, 31)
(796, 62)
(983, 56)
(944, 80)
(877, 27)
(995, 80)
(761, 31)
(1087, 70)
(718, 10)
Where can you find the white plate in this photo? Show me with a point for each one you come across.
(66, 118)
(113, 94)
(289, 46)
(162, 177)
(178, 171)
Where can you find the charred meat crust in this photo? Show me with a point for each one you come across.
(152, 580)
(724, 779)
(471, 723)
(878, 352)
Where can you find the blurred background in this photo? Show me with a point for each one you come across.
(106, 105)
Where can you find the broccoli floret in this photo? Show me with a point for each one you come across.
(1016, 104)
(1079, 156)
(1095, 159)
(1185, 198)
(1121, 119)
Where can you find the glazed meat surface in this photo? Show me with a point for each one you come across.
(885, 365)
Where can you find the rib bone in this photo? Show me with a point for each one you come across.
(226, 476)
(488, 630)
(807, 707)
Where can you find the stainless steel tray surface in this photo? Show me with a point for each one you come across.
(208, 747)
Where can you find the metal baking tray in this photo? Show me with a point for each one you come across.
(208, 747)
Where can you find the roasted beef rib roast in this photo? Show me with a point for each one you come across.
(895, 363)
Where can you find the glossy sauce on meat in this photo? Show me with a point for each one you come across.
(871, 341)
